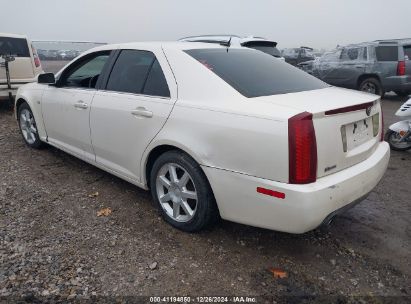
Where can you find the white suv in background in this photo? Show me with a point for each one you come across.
(258, 43)
(24, 68)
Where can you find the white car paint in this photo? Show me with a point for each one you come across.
(241, 143)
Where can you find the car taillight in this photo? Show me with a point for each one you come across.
(401, 68)
(302, 146)
(37, 62)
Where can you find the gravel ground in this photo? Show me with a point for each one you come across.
(54, 246)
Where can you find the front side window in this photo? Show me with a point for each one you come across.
(255, 74)
(16, 47)
(350, 54)
(85, 72)
(138, 72)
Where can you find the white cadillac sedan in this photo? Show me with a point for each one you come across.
(213, 132)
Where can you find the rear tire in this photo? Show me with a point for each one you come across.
(28, 127)
(372, 85)
(392, 138)
(182, 193)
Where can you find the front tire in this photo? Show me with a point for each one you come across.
(372, 85)
(28, 127)
(393, 139)
(182, 193)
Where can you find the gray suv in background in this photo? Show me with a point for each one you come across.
(376, 67)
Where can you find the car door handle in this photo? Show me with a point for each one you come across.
(142, 112)
(81, 105)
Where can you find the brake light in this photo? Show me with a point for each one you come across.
(401, 68)
(37, 62)
(302, 146)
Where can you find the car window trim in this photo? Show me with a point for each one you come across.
(135, 94)
(110, 70)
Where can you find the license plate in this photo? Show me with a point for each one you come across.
(358, 132)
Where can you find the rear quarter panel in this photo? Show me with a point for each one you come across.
(239, 143)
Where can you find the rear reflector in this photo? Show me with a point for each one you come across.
(359, 107)
(401, 68)
(302, 147)
(271, 192)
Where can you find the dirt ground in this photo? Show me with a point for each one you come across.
(54, 246)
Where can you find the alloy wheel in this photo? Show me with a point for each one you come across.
(176, 192)
(28, 126)
(369, 87)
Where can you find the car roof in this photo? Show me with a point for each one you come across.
(9, 35)
(177, 45)
(394, 42)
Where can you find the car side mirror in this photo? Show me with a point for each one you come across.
(46, 78)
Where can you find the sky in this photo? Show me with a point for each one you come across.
(292, 23)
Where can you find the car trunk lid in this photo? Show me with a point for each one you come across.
(347, 124)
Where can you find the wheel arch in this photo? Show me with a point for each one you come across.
(18, 103)
(32, 98)
(155, 151)
(160, 149)
(362, 77)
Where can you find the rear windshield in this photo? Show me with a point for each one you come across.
(387, 53)
(14, 46)
(255, 74)
(407, 51)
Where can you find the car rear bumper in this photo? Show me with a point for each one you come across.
(304, 207)
(398, 83)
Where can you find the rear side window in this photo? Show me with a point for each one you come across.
(138, 72)
(386, 53)
(255, 74)
(407, 51)
(17, 47)
(156, 83)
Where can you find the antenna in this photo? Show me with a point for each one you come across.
(226, 43)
